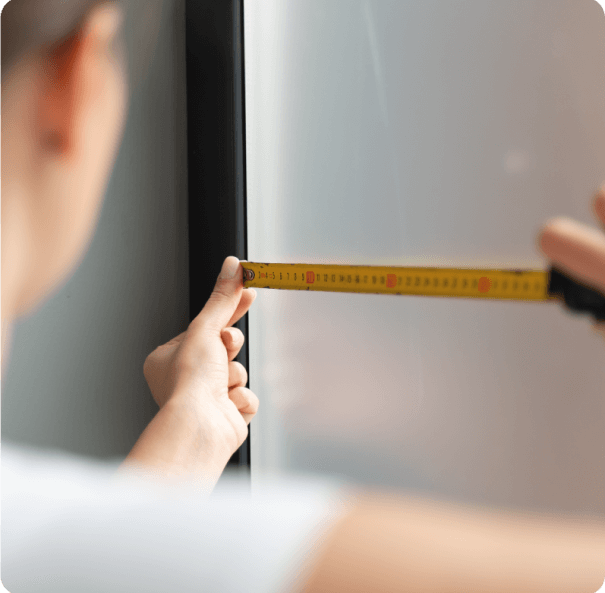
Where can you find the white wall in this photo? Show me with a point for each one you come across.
(432, 133)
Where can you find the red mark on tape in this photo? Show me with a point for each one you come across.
(484, 284)
(391, 280)
(310, 277)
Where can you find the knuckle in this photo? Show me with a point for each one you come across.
(237, 334)
(220, 293)
(253, 402)
(242, 433)
(240, 371)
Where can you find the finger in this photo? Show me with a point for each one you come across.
(225, 297)
(245, 302)
(598, 204)
(248, 417)
(245, 401)
(576, 249)
(238, 376)
(233, 338)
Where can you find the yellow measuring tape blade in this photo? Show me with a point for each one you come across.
(524, 285)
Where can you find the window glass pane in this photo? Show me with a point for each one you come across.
(429, 133)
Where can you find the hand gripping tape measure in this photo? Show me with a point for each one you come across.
(523, 285)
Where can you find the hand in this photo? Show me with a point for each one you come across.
(577, 249)
(197, 368)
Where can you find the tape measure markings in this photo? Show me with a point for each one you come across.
(416, 281)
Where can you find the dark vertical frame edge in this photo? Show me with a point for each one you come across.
(216, 153)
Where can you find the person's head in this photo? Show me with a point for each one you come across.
(64, 103)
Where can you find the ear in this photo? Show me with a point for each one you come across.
(72, 76)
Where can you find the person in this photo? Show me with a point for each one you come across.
(67, 527)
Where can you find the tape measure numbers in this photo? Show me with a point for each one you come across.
(526, 285)
(523, 285)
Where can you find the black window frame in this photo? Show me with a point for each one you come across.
(216, 143)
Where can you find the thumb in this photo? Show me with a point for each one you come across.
(224, 298)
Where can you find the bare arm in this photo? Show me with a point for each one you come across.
(392, 544)
(388, 543)
(180, 444)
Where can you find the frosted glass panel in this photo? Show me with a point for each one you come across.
(430, 133)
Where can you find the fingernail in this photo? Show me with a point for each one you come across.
(230, 268)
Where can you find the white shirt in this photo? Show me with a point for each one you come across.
(69, 526)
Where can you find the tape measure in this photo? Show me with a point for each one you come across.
(522, 285)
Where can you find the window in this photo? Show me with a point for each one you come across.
(436, 134)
